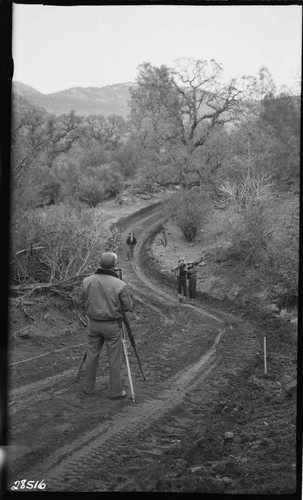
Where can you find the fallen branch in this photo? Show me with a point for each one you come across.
(28, 250)
(25, 312)
(40, 286)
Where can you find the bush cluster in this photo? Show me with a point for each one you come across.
(250, 190)
(188, 210)
(282, 262)
(249, 236)
(56, 243)
(269, 244)
(104, 183)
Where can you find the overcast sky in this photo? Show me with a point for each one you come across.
(55, 48)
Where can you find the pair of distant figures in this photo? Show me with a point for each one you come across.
(187, 272)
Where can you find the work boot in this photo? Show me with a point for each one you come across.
(122, 396)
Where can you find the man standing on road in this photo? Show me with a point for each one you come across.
(131, 242)
(192, 268)
(103, 296)
(181, 277)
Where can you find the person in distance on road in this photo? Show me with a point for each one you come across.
(103, 297)
(181, 267)
(131, 242)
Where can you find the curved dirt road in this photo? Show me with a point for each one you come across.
(77, 443)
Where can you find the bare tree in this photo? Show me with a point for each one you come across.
(184, 106)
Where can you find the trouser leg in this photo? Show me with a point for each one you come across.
(110, 332)
(94, 346)
(194, 288)
(183, 284)
(179, 285)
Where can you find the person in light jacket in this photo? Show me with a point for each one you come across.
(103, 297)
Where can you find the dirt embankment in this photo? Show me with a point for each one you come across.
(207, 419)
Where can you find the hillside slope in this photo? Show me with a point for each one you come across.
(108, 100)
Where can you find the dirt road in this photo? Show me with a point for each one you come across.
(190, 427)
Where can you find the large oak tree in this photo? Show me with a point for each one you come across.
(177, 111)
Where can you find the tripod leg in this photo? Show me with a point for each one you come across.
(80, 366)
(127, 366)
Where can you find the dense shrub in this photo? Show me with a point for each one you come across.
(249, 235)
(56, 243)
(250, 190)
(248, 197)
(282, 262)
(50, 192)
(264, 233)
(112, 179)
(91, 192)
(99, 184)
(144, 181)
(128, 158)
(188, 210)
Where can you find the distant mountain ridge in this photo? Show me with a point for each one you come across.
(108, 100)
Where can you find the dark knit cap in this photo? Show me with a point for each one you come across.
(108, 260)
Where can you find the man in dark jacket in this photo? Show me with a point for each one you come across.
(131, 242)
(181, 276)
(103, 297)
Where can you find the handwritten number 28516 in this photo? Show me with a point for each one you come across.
(25, 484)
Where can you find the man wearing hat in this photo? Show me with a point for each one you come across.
(131, 242)
(103, 296)
(181, 277)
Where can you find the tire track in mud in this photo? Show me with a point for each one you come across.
(66, 469)
(165, 360)
(232, 355)
(93, 447)
(166, 320)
